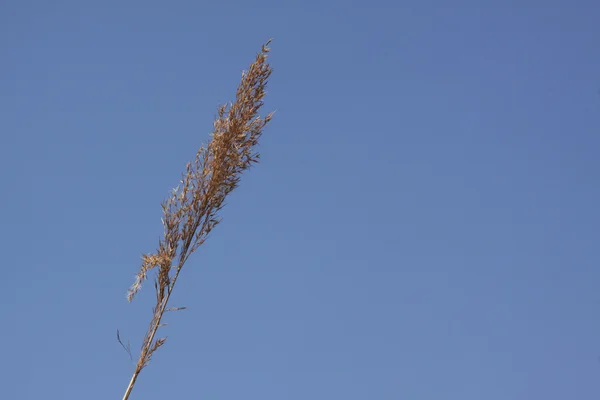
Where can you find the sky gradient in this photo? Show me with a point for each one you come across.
(423, 224)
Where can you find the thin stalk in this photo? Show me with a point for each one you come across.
(153, 331)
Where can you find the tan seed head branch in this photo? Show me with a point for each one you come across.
(192, 210)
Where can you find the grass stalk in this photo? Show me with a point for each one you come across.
(192, 210)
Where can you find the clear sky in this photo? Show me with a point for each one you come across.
(424, 223)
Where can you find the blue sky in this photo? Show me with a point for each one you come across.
(423, 224)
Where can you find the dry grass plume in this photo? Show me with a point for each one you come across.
(191, 212)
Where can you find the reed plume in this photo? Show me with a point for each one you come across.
(191, 212)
